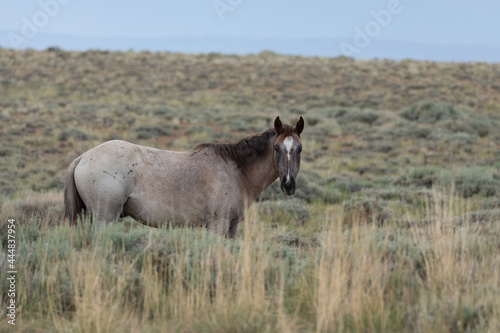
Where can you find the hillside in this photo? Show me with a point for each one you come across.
(277, 81)
(55, 104)
(393, 227)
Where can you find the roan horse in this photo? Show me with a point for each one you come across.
(209, 185)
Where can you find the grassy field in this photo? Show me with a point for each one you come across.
(395, 225)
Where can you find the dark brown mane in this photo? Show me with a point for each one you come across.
(244, 151)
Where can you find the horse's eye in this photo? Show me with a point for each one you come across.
(299, 150)
(276, 149)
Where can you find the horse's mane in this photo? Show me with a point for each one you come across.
(244, 151)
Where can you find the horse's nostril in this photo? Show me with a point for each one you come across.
(288, 187)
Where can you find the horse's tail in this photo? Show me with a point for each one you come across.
(73, 203)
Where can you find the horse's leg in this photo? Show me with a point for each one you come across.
(107, 210)
(219, 226)
(233, 227)
(109, 214)
(232, 231)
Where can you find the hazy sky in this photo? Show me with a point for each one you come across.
(440, 22)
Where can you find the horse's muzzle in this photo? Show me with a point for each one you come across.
(288, 187)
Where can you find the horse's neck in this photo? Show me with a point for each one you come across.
(259, 176)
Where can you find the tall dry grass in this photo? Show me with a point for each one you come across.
(428, 273)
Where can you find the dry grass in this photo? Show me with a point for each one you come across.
(427, 277)
(47, 206)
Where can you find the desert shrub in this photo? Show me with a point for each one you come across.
(348, 184)
(472, 125)
(316, 114)
(461, 138)
(490, 203)
(321, 123)
(66, 117)
(476, 180)
(6, 187)
(200, 130)
(492, 215)
(368, 117)
(292, 238)
(267, 54)
(312, 121)
(285, 211)
(407, 130)
(49, 205)
(424, 176)
(409, 257)
(245, 123)
(162, 112)
(75, 134)
(364, 210)
(430, 112)
(383, 147)
(483, 127)
(470, 181)
(485, 215)
(346, 116)
(149, 132)
(307, 188)
(6, 151)
(107, 122)
(395, 198)
(333, 195)
(38, 287)
(386, 193)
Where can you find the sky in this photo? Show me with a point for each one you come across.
(358, 28)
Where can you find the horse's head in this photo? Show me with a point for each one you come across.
(287, 148)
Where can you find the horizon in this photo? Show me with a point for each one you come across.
(390, 29)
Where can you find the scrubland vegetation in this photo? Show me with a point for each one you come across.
(395, 225)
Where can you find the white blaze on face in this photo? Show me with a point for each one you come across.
(288, 142)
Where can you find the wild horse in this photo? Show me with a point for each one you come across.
(209, 185)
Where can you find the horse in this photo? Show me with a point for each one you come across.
(208, 186)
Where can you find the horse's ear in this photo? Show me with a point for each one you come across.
(278, 126)
(300, 126)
